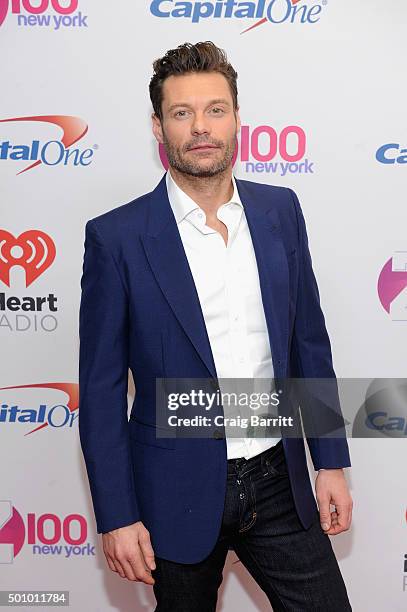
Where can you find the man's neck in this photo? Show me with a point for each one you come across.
(208, 192)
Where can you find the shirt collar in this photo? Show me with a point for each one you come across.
(182, 204)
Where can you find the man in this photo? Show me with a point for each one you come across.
(207, 276)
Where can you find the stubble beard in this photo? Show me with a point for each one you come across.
(176, 158)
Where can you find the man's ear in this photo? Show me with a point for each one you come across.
(157, 129)
(238, 123)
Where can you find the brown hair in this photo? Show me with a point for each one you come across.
(200, 57)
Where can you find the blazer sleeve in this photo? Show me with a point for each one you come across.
(103, 379)
(312, 360)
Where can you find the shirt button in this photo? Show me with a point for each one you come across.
(241, 359)
(200, 215)
(236, 318)
(241, 495)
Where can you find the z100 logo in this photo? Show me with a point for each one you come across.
(47, 533)
(56, 152)
(42, 13)
(272, 11)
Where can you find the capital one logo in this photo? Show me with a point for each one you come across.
(383, 413)
(392, 286)
(47, 533)
(56, 152)
(392, 153)
(271, 11)
(46, 414)
(44, 13)
(33, 250)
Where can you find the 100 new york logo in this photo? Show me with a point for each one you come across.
(44, 13)
(272, 11)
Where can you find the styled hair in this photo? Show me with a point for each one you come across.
(188, 57)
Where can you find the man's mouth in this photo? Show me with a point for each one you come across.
(203, 147)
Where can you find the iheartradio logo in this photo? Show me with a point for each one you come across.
(33, 250)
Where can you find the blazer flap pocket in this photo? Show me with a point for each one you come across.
(149, 434)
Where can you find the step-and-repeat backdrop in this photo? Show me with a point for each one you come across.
(322, 92)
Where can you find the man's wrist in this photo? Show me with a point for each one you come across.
(322, 469)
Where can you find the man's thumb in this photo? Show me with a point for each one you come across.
(324, 515)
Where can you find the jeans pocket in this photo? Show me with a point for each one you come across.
(275, 465)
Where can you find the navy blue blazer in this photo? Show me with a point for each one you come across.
(140, 310)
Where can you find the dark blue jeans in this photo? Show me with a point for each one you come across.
(296, 568)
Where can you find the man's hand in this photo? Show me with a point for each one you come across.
(331, 488)
(128, 551)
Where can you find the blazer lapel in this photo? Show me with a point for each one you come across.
(166, 255)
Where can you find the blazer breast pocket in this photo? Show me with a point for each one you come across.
(149, 434)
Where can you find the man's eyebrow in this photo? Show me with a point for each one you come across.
(216, 101)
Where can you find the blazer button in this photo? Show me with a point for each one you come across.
(217, 434)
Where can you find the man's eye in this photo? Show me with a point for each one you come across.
(216, 110)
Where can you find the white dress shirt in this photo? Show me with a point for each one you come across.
(227, 283)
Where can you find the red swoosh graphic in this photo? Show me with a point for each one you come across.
(71, 389)
(264, 19)
(74, 128)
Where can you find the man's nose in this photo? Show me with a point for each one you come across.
(199, 125)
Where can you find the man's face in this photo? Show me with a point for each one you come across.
(197, 110)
